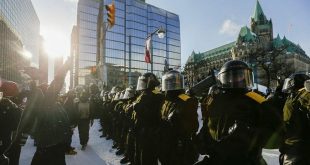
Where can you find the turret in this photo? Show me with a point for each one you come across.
(261, 26)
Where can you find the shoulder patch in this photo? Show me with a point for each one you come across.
(184, 97)
(258, 98)
(156, 91)
(301, 89)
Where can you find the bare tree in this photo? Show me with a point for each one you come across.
(273, 62)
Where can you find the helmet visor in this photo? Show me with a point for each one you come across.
(288, 84)
(141, 85)
(241, 78)
(172, 82)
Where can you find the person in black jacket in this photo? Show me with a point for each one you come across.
(10, 115)
(73, 118)
(84, 118)
(53, 126)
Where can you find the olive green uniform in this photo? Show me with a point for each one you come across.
(179, 124)
(147, 119)
(238, 124)
(296, 143)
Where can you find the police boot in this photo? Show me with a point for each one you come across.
(124, 160)
(119, 152)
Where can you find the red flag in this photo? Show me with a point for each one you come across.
(147, 56)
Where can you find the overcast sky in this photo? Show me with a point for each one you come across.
(205, 24)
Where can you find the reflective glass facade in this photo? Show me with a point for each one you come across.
(22, 19)
(125, 42)
(86, 38)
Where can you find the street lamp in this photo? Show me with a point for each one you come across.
(161, 34)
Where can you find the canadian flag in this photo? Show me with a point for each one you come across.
(148, 55)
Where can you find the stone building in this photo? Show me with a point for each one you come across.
(269, 57)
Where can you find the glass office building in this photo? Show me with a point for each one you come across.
(21, 18)
(125, 42)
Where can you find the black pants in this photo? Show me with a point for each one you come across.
(14, 154)
(83, 127)
(146, 149)
(54, 155)
(68, 143)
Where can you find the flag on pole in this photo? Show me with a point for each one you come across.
(148, 55)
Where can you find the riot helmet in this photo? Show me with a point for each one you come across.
(102, 93)
(117, 96)
(236, 74)
(121, 96)
(114, 90)
(105, 96)
(294, 82)
(84, 97)
(129, 93)
(307, 85)
(79, 89)
(147, 81)
(172, 80)
(93, 88)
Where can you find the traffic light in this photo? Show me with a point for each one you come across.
(111, 14)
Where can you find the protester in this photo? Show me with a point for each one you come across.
(53, 127)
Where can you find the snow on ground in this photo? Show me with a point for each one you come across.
(99, 150)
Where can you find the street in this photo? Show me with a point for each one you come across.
(99, 151)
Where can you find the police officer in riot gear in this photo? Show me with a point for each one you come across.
(295, 148)
(128, 126)
(238, 123)
(179, 122)
(109, 108)
(147, 118)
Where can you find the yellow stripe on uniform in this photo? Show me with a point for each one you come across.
(184, 97)
(301, 89)
(155, 91)
(258, 98)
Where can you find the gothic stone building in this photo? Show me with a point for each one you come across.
(257, 47)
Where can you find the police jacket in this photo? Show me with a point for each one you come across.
(147, 109)
(179, 113)
(296, 114)
(237, 126)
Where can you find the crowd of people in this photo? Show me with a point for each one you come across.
(158, 122)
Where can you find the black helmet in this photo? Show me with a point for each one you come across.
(129, 93)
(84, 96)
(93, 88)
(147, 81)
(294, 82)
(235, 74)
(172, 80)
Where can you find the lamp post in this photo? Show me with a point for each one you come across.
(161, 34)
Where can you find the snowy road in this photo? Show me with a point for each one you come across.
(99, 151)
